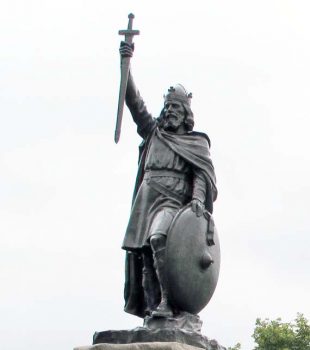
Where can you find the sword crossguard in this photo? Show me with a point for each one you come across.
(129, 32)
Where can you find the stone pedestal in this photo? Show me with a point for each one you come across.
(180, 332)
(142, 338)
(139, 346)
(144, 346)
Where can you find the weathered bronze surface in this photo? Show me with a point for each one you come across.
(171, 242)
(192, 265)
(173, 254)
(159, 336)
(125, 60)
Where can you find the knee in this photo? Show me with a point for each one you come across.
(158, 241)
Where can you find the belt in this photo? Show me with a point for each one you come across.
(151, 174)
(164, 173)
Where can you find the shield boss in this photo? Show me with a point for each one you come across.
(192, 266)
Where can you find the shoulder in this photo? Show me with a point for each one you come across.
(201, 135)
(146, 140)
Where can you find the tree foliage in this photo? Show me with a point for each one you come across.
(278, 335)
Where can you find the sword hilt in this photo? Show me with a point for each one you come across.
(129, 32)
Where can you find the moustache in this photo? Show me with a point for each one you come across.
(171, 115)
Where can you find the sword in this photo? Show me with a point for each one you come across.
(129, 34)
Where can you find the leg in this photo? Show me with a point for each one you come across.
(150, 283)
(158, 244)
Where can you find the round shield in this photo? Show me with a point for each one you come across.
(192, 265)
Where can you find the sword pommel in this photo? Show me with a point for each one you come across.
(131, 16)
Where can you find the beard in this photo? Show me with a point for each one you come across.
(172, 121)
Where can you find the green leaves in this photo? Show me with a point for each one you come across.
(302, 331)
(278, 335)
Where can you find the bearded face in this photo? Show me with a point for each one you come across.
(174, 115)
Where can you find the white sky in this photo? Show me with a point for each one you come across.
(66, 187)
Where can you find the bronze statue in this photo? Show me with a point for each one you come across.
(171, 242)
(175, 172)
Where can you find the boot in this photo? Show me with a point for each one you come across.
(150, 289)
(163, 309)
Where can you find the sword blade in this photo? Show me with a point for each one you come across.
(121, 100)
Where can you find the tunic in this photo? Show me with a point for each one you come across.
(162, 167)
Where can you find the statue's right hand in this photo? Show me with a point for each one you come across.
(126, 49)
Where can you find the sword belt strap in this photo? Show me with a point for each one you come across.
(163, 190)
(210, 228)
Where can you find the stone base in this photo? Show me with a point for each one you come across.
(149, 346)
(151, 336)
(139, 346)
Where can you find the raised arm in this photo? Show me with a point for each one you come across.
(143, 119)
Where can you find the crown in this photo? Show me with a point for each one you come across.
(178, 93)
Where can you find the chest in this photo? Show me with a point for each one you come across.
(161, 156)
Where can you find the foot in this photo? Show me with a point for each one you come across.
(148, 311)
(163, 310)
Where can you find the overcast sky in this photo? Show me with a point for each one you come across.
(65, 187)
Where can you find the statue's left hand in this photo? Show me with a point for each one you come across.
(197, 207)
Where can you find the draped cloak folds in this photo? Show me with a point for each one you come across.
(193, 147)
